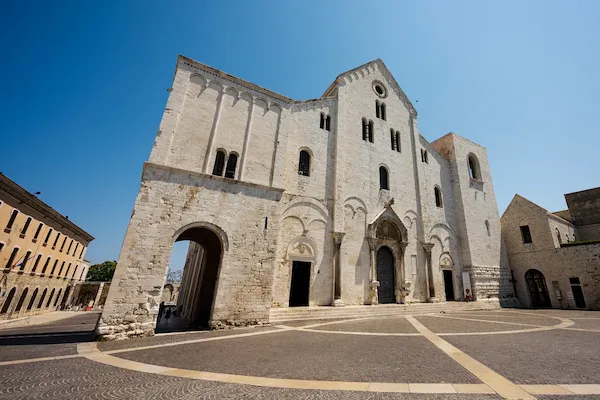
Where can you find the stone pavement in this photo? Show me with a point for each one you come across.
(549, 354)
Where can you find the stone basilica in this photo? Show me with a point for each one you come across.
(332, 201)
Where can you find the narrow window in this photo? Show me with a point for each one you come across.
(24, 262)
(487, 227)
(371, 131)
(46, 265)
(68, 269)
(82, 249)
(526, 234)
(47, 237)
(37, 232)
(56, 240)
(8, 300)
(69, 248)
(377, 108)
(62, 266)
(219, 163)
(37, 261)
(474, 172)
(32, 301)
(1, 247)
(57, 297)
(328, 123)
(559, 238)
(50, 298)
(11, 220)
(75, 250)
(74, 271)
(398, 147)
(231, 162)
(54, 267)
(424, 156)
(393, 139)
(438, 196)
(383, 111)
(81, 276)
(383, 179)
(11, 259)
(21, 300)
(62, 246)
(365, 128)
(322, 122)
(41, 303)
(304, 163)
(266, 222)
(25, 227)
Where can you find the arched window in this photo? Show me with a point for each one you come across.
(8, 300)
(304, 163)
(70, 245)
(487, 227)
(559, 238)
(438, 196)
(383, 111)
(31, 302)
(231, 163)
(56, 240)
(54, 267)
(377, 114)
(62, 266)
(383, 179)
(37, 261)
(11, 259)
(25, 227)
(48, 237)
(68, 269)
(474, 172)
(50, 298)
(74, 272)
(37, 232)
(219, 163)
(398, 147)
(41, 302)
(62, 246)
(24, 262)
(371, 131)
(46, 265)
(21, 300)
(12, 218)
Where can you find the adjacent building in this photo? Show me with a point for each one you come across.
(41, 254)
(330, 201)
(555, 257)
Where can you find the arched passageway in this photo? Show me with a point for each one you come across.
(194, 306)
(538, 291)
(8, 300)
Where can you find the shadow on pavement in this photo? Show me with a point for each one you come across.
(76, 329)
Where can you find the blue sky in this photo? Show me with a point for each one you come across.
(84, 85)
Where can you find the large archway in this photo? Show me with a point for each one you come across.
(538, 291)
(194, 305)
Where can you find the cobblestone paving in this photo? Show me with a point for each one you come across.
(387, 325)
(83, 379)
(556, 356)
(319, 356)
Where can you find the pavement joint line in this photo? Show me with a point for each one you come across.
(484, 320)
(39, 359)
(352, 332)
(91, 352)
(201, 340)
(494, 380)
(580, 329)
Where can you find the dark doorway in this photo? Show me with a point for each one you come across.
(21, 300)
(194, 305)
(63, 303)
(448, 285)
(300, 286)
(8, 300)
(386, 275)
(536, 283)
(577, 293)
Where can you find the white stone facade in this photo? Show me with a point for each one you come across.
(335, 219)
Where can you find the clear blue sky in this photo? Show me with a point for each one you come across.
(84, 85)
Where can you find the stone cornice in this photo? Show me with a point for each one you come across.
(17, 192)
(149, 165)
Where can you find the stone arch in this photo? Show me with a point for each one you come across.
(293, 217)
(262, 103)
(247, 96)
(446, 261)
(307, 202)
(361, 204)
(202, 224)
(216, 85)
(199, 80)
(302, 248)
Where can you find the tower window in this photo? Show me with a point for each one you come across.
(383, 179)
(383, 111)
(371, 131)
(424, 156)
(304, 163)
(395, 140)
(377, 114)
(219, 163)
(322, 122)
(368, 130)
(231, 164)
(526, 234)
(328, 123)
(474, 171)
(487, 227)
(438, 196)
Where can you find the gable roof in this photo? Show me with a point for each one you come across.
(380, 65)
(518, 197)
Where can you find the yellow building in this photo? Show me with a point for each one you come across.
(41, 254)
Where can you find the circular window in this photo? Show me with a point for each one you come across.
(379, 89)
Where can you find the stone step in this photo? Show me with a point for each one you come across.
(325, 312)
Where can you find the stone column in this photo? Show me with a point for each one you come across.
(400, 280)
(428, 273)
(97, 299)
(374, 283)
(337, 270)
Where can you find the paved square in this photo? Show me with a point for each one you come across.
(551, 354)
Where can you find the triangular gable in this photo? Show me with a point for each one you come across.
(387, 214)
(379, 65)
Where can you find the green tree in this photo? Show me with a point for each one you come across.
(101, 272)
